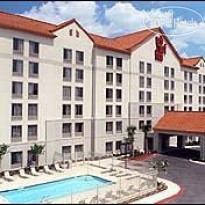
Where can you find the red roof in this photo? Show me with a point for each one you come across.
(191, 62)
(21, 23)
(179, 121)
(123, 44)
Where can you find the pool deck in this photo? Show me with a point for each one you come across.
(95, 168)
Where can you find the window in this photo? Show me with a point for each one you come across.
(141, 82)
(200, 89)
(70, 32)
(67, 74)
(109, 78)
(200, 100)
(79, 57)
(203, 90)
(67, 55)
(79, 75)
(185, 87)
(149, 123)
(118, 95)
(32, 132)
(172, 98)
(108, 110)
(119, 79)
(109, 147)
(185, 108)
(78, 148)
(32, 111)
(66, 111)
(190, 88)
(119, 63)
(166, 97)
(33, 49)
(16, 111)
(78, 110)
(172, 72)
(141, 124)
(109, 94)
(118, 145)
(166, 84)
(172, 108)
(66, 151)
(66, 92)
(32, 90)
(185, 99)
(79, 93)
(16, 159)
(166, 71)
(33, 69)
(166, 108)
(109, 127)
(17, 89)
(141, 110)
(203, 100)
(109, 61)
(172, 85)
(17, 67)
(77, 34)
(185, 75)
(149, 96)
(203, 78)
(190, 108)
(149, 82)
(190, 99)
(119, 127)
(16, 133)
(190, 76)
(66, 130)
(141, 96)
(200, 78)
(118, 110)
(18, 45)
(79, 129)
(149, 68)
(141, 67)
(149, 111)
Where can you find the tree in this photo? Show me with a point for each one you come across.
(131, 130)
(3, 150)
(37, 150)
(146, 129)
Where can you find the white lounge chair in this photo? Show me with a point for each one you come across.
(47, 170)
(22, 174)
(34, 172)
(8, 177)
(57, 168)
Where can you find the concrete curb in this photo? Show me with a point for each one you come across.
(197, 162)
(173, 191)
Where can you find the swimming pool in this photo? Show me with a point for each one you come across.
(36, 193)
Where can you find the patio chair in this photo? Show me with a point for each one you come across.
(82, 201)
(8, 177)
(22, 174)
(94, 200)
(110, 195)
(34, 172)
(57, 168)
(47, 170)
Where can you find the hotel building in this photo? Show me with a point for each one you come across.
(76, 92)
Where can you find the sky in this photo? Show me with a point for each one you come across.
(114, 18)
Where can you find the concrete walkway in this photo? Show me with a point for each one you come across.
(173, 190)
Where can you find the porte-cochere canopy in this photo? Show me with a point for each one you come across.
(182, 122)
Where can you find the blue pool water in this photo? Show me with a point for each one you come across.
(34, 194)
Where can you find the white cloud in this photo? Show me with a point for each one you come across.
(122, 17)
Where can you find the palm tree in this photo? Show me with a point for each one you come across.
(3, 150)
(131, 130)
(37, 150)
(146, 129)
